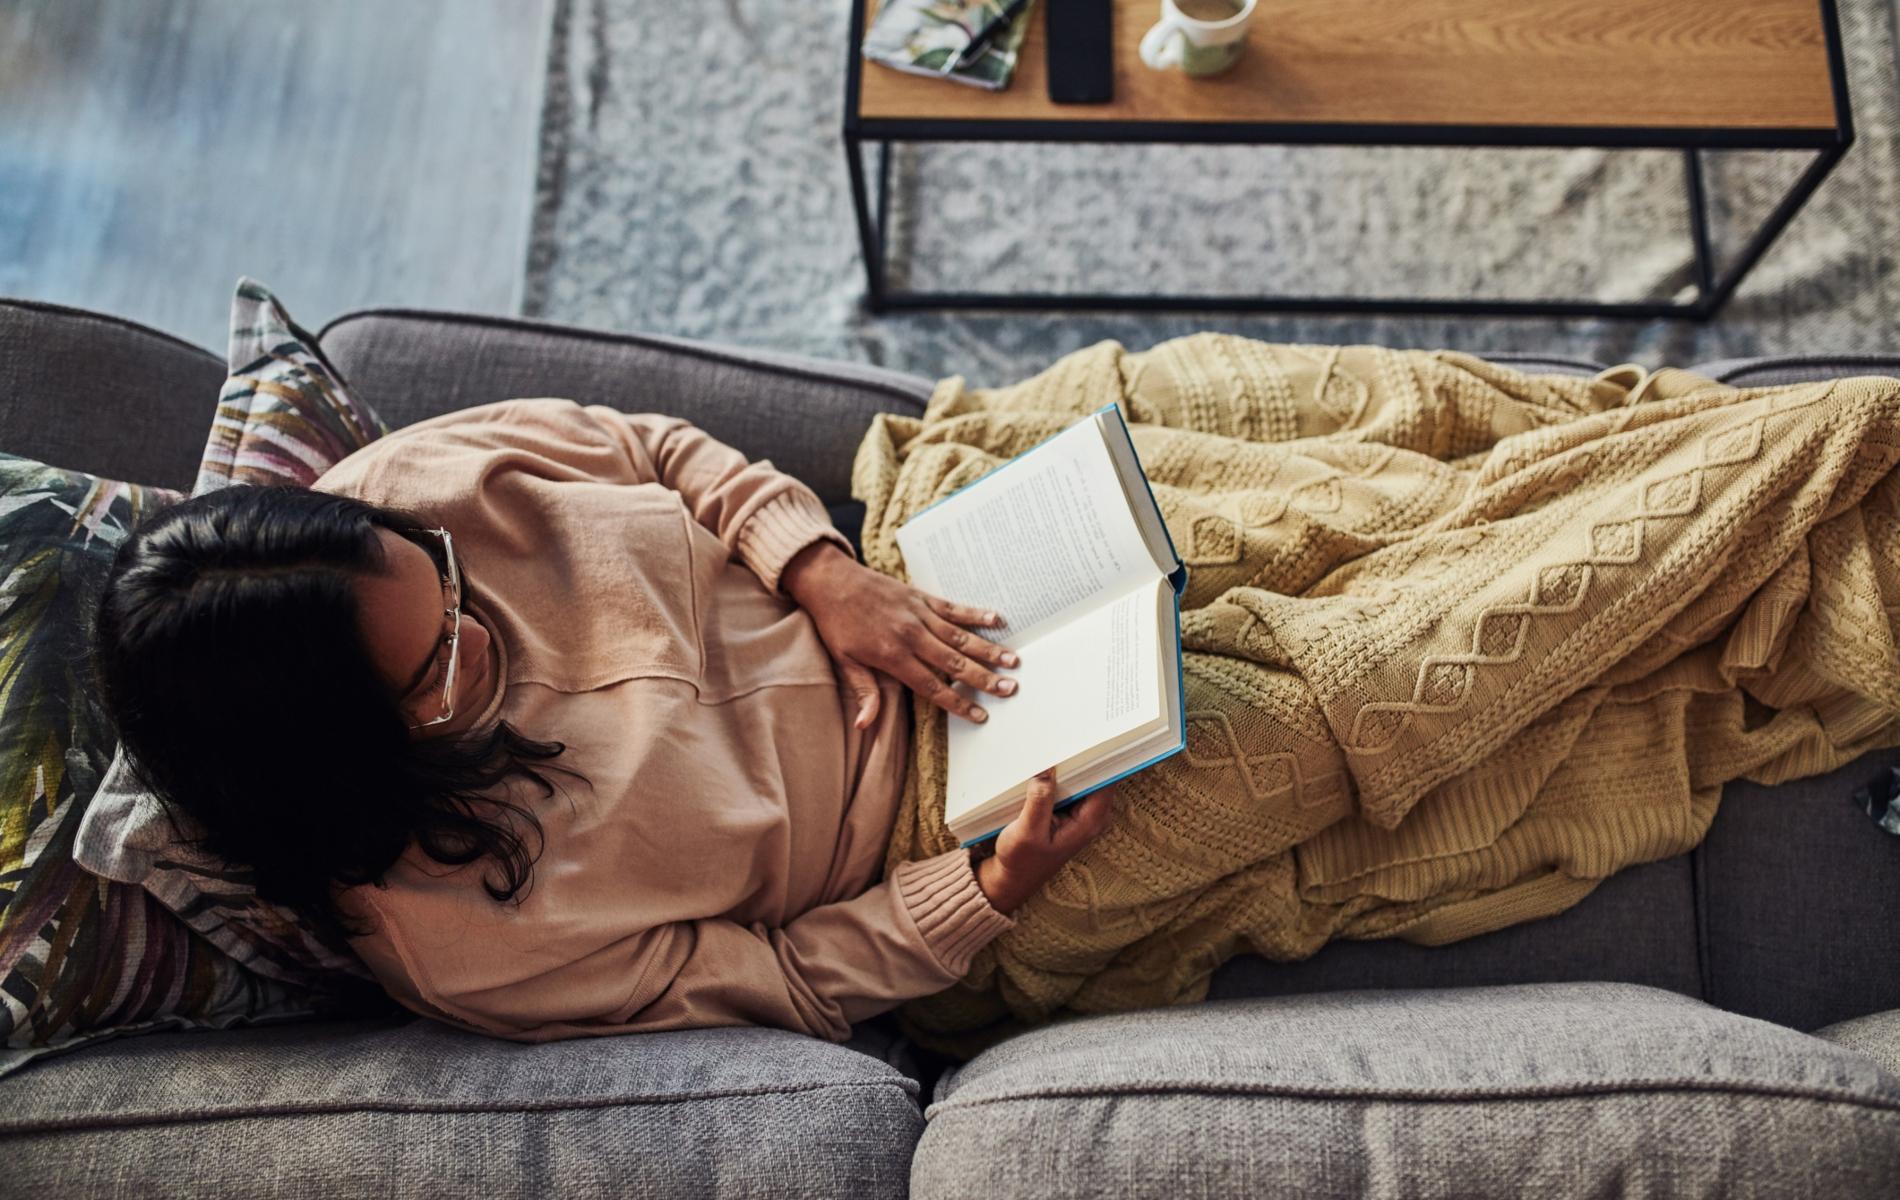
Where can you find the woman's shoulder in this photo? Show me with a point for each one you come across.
(480, 424)
(499, 413)
(444, 459)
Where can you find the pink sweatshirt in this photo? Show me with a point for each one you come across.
(720, 865)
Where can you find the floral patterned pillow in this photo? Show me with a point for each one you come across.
(82, 958)
(284, 417)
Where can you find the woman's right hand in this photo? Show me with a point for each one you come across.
(1033, 847)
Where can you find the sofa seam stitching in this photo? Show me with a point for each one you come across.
(547, 328)
(1582, 1088)
(91, 1122)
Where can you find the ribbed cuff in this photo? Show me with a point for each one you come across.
(951, 911)
(780, 528)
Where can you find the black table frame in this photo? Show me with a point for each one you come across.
(1712, 290)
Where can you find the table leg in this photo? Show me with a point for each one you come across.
(1699, 226)
(1784, 212)
(870, 237)
(884, 212)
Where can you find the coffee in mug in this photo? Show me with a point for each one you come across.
(1201, 37)
(1208, 10)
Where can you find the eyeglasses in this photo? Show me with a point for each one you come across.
(452, 590)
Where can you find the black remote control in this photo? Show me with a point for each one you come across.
(1080, 53)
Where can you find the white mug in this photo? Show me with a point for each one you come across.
(1197, 47)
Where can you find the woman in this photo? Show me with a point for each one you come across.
(575, 721)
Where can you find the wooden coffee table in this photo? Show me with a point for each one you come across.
(1696, 75)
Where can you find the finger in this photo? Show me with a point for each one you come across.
(974, 645)
(1090, 810)
(960, 666)
(1040, 805)
(1089, 818)
(962, 614)
(1073, 834)
(919, 678)
(863, 686)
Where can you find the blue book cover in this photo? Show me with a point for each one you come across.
(1067, 543)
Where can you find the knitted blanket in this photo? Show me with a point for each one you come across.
(1461, 642)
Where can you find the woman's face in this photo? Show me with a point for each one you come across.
(401, 614)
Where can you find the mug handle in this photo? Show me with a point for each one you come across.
(1164, 45)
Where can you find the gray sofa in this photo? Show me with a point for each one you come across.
(1658, 1039)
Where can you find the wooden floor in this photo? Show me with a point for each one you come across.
(346, 153)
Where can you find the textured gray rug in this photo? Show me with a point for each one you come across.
(693, 183)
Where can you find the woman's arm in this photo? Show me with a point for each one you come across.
(443, 949)
(453, 955)
(869, 621)
(762, 514)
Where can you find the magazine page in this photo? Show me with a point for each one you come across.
(925, 37)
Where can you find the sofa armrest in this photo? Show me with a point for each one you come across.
(806, 415)
(97, 393)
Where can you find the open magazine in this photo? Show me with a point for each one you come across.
(925, 37)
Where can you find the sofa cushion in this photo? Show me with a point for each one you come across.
(98, 394)
(415, 1108)
(1560, 1089)
(1876, 1035)
(79, 959)
(1796, 896)
(1638, 926)
(805, 415)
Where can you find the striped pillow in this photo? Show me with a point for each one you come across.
(81, 958)
(284, 414)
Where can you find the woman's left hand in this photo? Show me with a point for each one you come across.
(873, 622)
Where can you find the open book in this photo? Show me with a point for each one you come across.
(1066, 543)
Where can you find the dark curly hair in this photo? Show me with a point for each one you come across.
(229, 656)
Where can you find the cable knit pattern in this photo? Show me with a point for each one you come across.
(1461, 642)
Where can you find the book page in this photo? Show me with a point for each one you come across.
(1141, 499)
(1036, 539)
(1083, 682)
